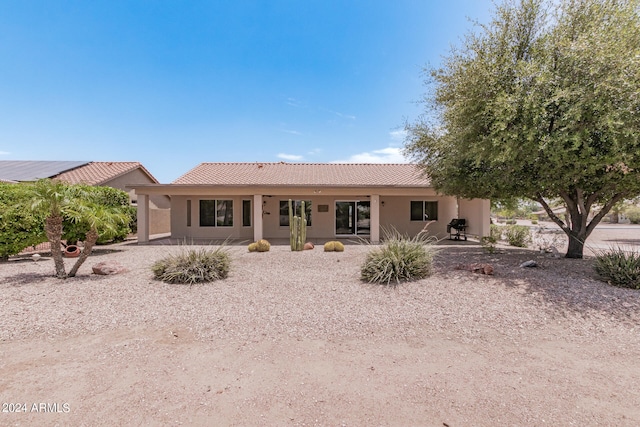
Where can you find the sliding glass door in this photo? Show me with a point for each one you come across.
(353, 218)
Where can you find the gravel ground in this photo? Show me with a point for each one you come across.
(297, 339)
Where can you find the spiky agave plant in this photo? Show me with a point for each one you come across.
(399, 259)
(619, 267)
(193, 266)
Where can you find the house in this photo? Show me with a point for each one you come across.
(108, 174)
(249, 201)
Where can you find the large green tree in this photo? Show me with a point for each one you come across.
(542, 103)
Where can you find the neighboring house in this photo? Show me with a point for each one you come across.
(250, 201)
(108, 174)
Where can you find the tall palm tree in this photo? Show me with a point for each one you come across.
(53, 198)
(61, 201)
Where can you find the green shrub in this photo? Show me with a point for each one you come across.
(633, 213)
(489, 242)
(193, 266)
(495, 232)
(619, 267)
(518, 235)
(20, 226)
(399, 259)
(253, 247)
(511, 222)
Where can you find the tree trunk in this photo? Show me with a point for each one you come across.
(89, 242)
(576, 225)
(53, 228)
(576, 247)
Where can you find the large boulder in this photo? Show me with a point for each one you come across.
(106, 268)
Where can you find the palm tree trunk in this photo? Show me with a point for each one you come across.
(89, 242)
(53, 228)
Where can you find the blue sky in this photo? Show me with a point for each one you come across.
(175, 83)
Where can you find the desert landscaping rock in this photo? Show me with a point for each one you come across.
(529, 264)
(295, 338)
(106, 268)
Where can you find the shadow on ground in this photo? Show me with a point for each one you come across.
(564, 284)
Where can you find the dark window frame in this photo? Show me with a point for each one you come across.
(424, 210)
(209, 213)
(246, 213)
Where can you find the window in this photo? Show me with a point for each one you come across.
(188, 213)
(216, 213)
(297, 205)
(246, 213)
(424, 211)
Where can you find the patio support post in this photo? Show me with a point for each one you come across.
(143, 218)
(375, 218)
(257, 217)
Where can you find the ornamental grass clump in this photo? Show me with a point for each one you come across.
(619, 267)
(193, 266)
(400, 259)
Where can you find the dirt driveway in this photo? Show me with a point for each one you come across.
(297, 339)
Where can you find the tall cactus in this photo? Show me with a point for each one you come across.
(297, 228)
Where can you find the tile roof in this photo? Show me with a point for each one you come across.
(32, 170)
(305, 174)
(96, 173)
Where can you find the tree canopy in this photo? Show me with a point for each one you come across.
(543, 103)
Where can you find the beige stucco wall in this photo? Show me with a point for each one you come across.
(137, 177)
(159, 221)
(159, 205)
(180, 229)
(477, 214)
(394, 210)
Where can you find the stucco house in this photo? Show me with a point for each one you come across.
(108, 174)
(249, 201)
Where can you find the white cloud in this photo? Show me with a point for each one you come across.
(345, 116)
(385, 155)
(339, 114)
(398, 135)
(4, 153)
(293, 102)
(291, 131)
(292, 157)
